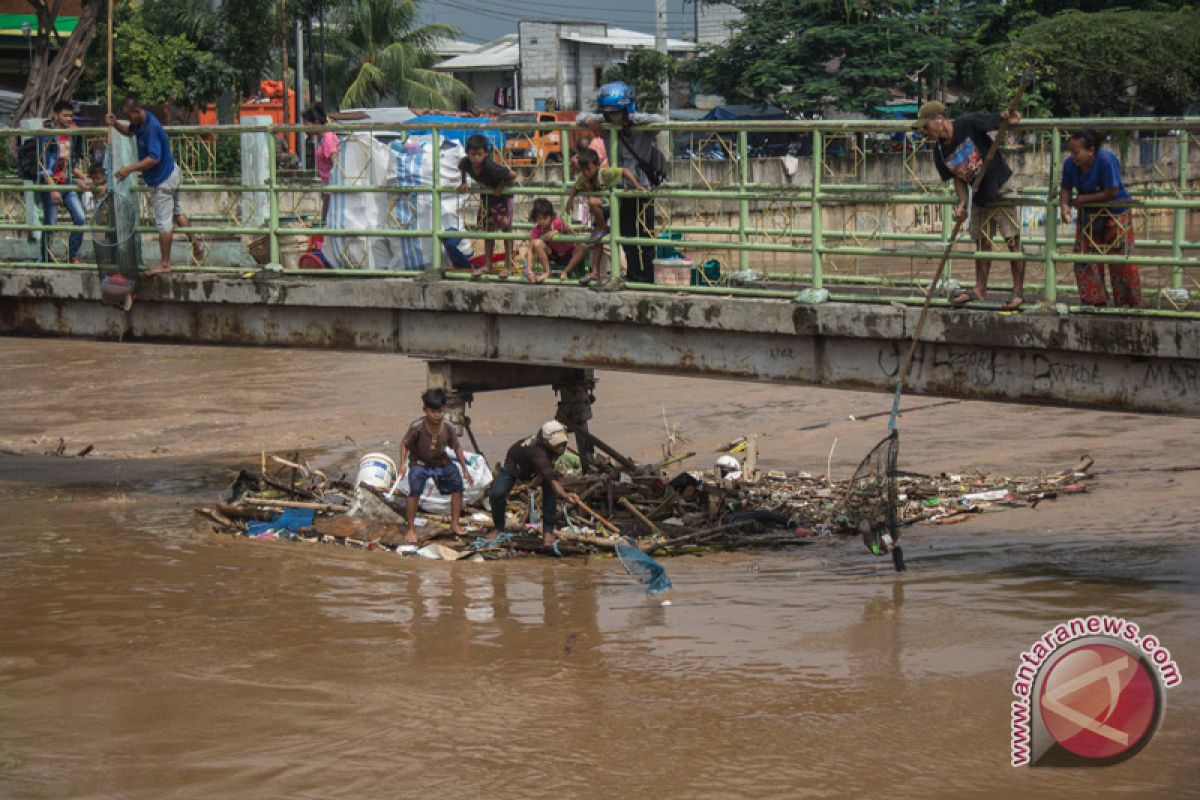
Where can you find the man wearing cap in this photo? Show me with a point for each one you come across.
(533, 459)
(959, 148)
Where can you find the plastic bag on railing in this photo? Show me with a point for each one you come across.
(641, 567)
(435, 502)
(362, 161)
(412, 163)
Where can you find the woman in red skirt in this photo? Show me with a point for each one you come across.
(1094, 175)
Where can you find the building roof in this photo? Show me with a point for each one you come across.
(499, 54)
(505, 53)
(449, 48)
(625, 39)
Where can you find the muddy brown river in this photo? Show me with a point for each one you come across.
(142, 656)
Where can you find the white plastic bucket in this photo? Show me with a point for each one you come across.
(377, 471)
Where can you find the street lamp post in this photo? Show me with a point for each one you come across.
(27, 32)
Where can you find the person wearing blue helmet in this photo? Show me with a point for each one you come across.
(615, 105)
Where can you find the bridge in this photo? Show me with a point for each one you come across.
(496, 335)
(825, 256)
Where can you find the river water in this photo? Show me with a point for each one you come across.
(144, 657)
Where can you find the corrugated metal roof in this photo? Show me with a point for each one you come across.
(624, 39)
(501, 54)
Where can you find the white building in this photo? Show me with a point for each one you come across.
(556, 64)
(489, 69)
(713, 21)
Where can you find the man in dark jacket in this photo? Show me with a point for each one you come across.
(533, 459)
(59, 162)
(635, 150)
(959, 149)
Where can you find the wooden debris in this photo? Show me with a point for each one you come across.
(772, 509)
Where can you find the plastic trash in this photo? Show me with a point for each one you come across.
(642, 567)
(435, 502)
(812, 297)
(979, 497)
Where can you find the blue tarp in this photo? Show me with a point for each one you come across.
(747, 112)
(460, 134)
(899, 111)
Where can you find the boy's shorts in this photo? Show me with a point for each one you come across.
(164, 199)
(499, 215)
(996, 222)
(447, 478)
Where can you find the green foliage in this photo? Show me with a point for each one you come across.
(644, 69)
(165, 69)
(248, 30)
(1102, 63)
(377, 49)
(229, 155)
(807, 54)
(148, 63)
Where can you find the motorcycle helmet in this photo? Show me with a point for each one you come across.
(615, 97)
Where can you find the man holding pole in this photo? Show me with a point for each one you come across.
(959, 149)
(160, 173)
(533, 458)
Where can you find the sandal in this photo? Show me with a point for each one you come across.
(1014, 303)
(965, 296)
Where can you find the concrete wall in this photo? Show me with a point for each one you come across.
(1116, 363)
(483, 84)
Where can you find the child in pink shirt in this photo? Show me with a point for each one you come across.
(544, 247)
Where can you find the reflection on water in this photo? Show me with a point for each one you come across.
(145, 659)
(141, 657)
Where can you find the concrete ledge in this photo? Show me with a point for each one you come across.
(1129, 363)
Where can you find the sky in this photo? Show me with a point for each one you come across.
(483, 21)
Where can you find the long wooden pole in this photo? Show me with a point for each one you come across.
(110, 54)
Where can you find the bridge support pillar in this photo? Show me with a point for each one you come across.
(462, 379)
(575, 401)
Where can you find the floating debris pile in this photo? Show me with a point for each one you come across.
(728, 507)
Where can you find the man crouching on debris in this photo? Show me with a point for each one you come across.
(533, 459)
(423, 455)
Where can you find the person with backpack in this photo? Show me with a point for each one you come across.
(636, 151)
(58, 162)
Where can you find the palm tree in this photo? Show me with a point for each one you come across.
(378, 50)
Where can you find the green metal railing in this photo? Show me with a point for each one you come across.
(748, 220)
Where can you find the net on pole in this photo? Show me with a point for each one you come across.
(870, 505)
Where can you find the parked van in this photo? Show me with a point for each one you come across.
(544, 145)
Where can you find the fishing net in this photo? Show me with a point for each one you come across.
(116, 246)
(642, 568)
(869, 506)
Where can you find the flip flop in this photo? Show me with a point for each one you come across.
(964, 297)
(1014, 304)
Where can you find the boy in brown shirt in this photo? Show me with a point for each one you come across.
(423, 456)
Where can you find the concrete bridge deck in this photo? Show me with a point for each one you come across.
(1142, 363)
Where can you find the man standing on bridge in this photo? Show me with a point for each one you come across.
(160, 173)
(959, 149)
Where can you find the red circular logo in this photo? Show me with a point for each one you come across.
(1098, 701)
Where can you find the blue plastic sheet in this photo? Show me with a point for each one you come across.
(642, 567)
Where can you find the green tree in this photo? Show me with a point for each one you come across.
(818, 53)
(645, 70)
(1097, 64)
(247, 30)
(379, 50)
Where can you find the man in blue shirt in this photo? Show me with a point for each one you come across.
(160, 173)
